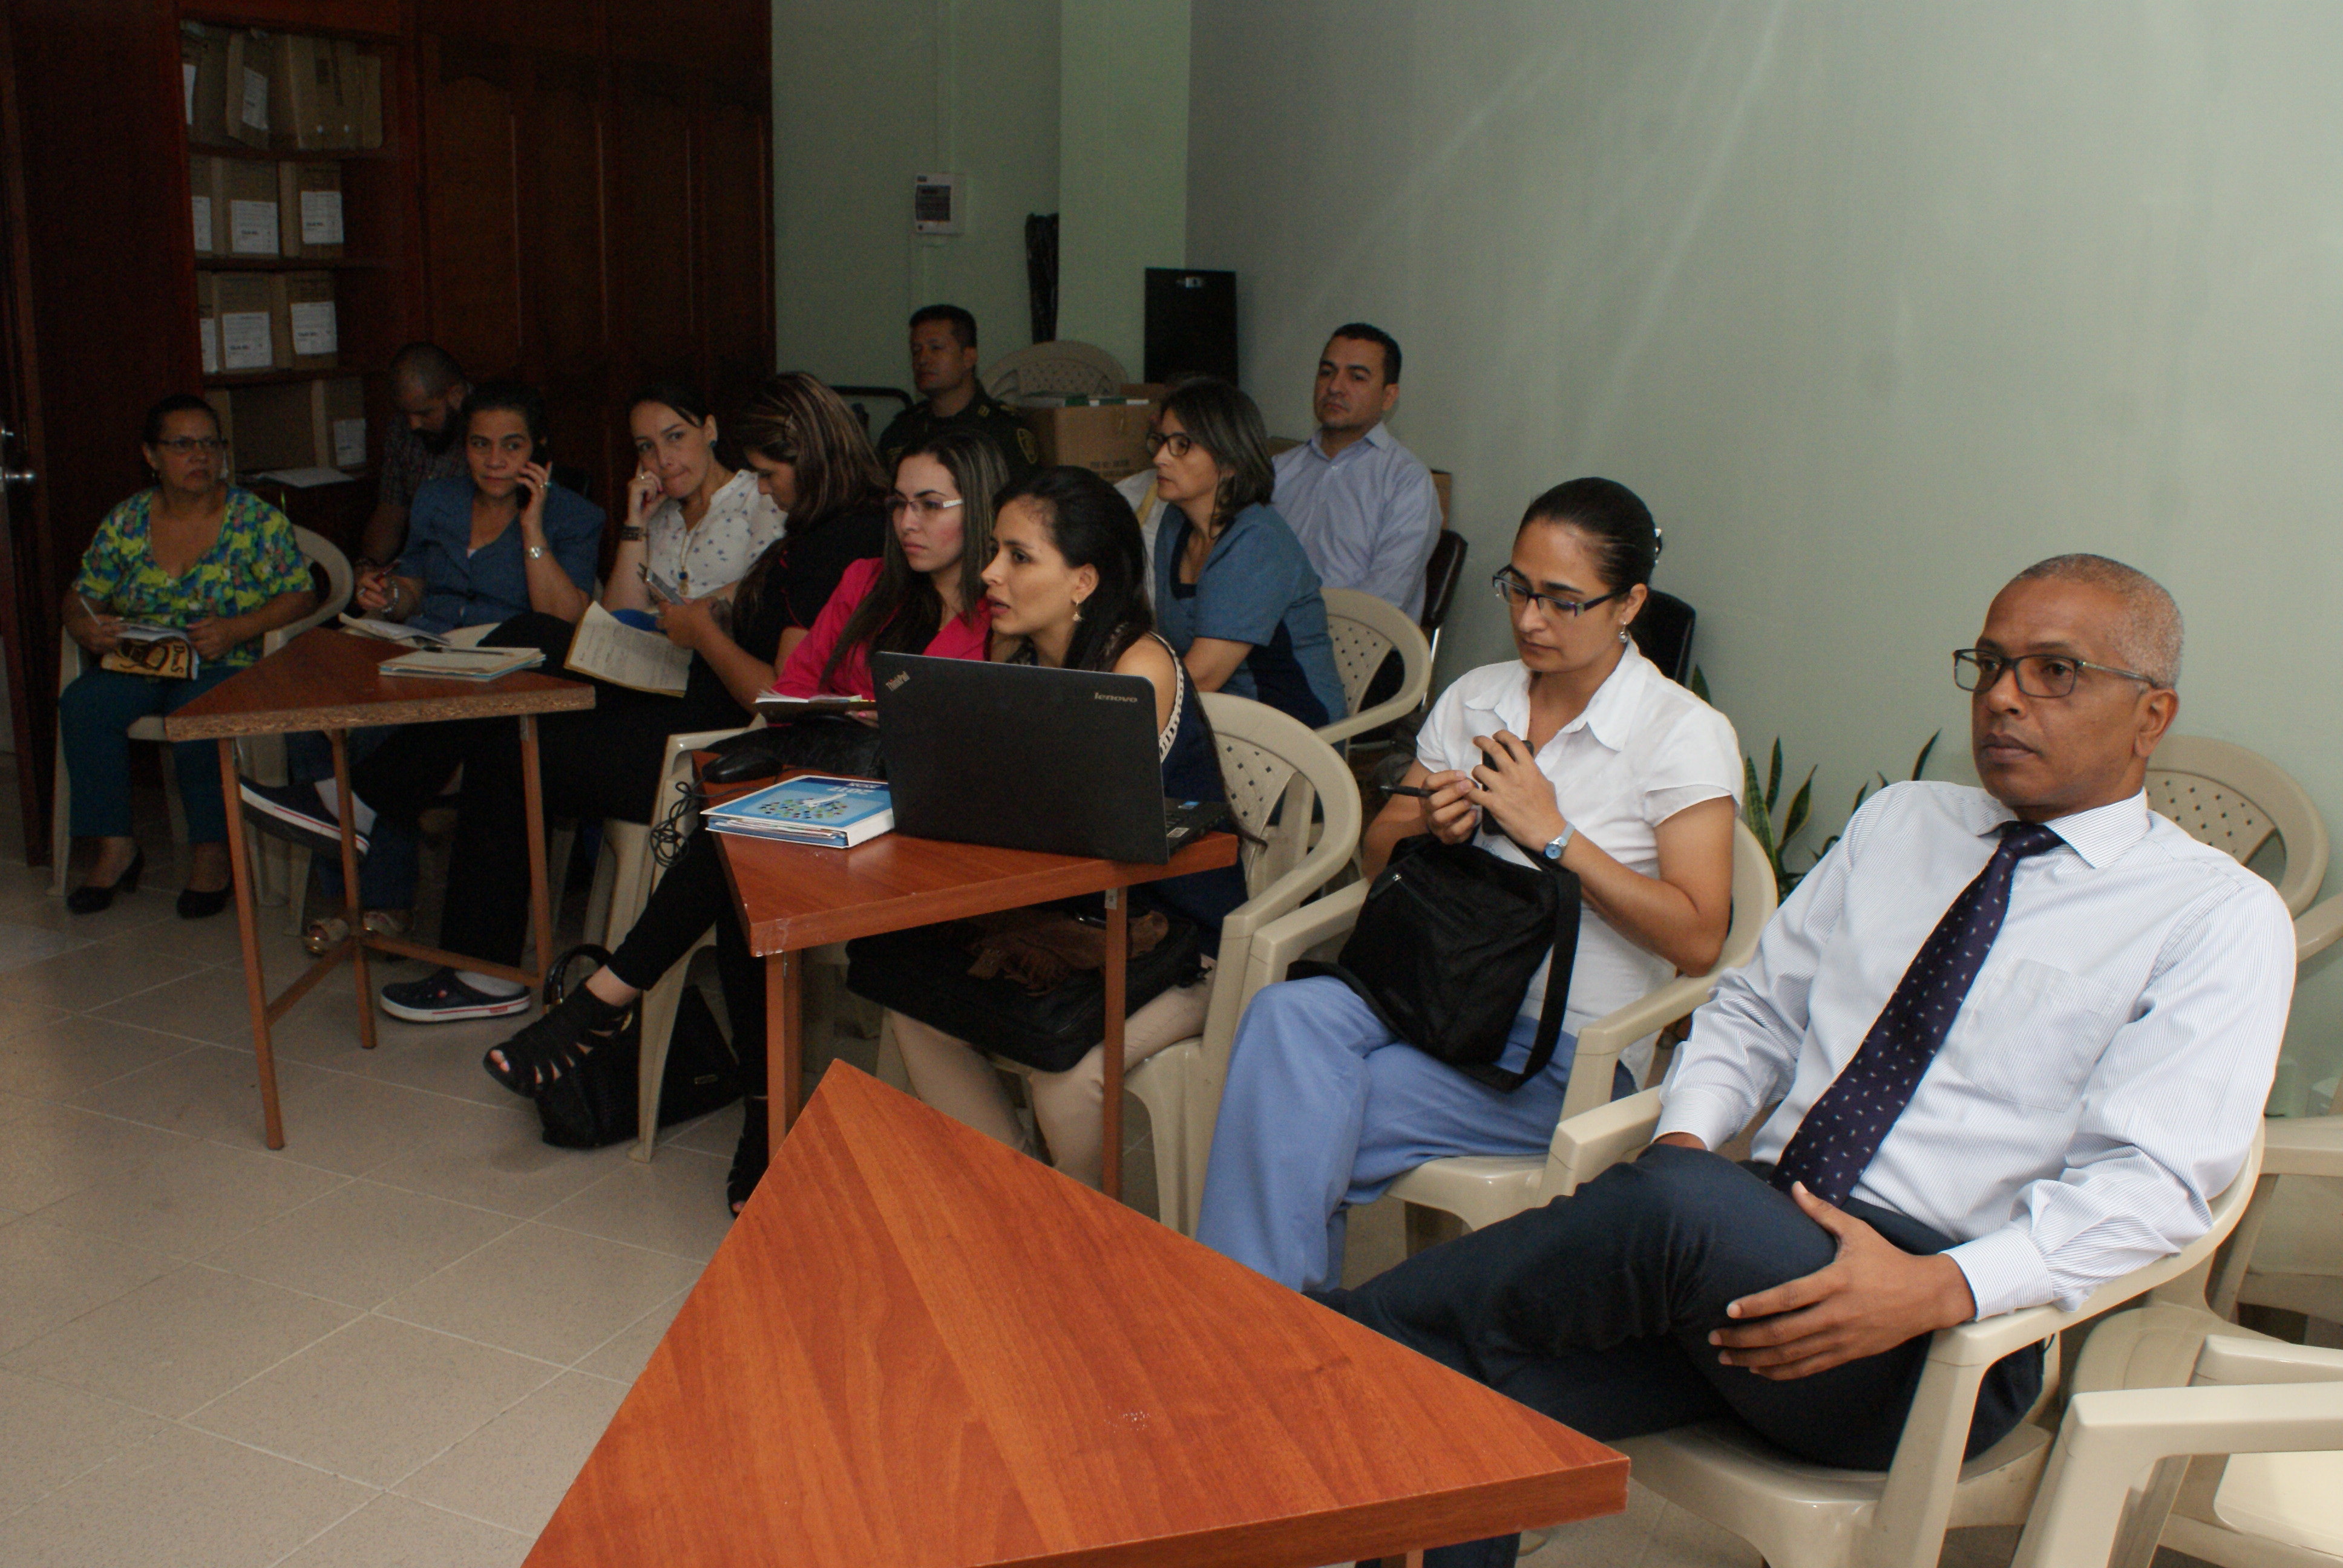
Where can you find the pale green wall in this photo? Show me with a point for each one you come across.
(1122, 173)
(868, 94)
(1875, 303)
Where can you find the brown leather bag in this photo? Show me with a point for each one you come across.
(1040, 949)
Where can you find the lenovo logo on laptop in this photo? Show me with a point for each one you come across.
(1110, 696)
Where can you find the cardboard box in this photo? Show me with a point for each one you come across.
(224, 410)
(248, 188)
(309, 209)
(209, 201)
(246, 89)
(306, 319)
(315, 106)
(207, 324)
(244, 306)
(1108, 439)
(317, 423)
(366, 70)
(1440, 479)
(202, 82)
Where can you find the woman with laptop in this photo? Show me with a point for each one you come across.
(922, 595)
(1068, 589)
(1578, 753)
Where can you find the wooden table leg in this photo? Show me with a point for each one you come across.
(1118, 947)
(353, 909)
(248, 930)
(784, 1044)
(540, 906)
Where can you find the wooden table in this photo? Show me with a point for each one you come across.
(794, 897)
(325, 679)
(919, 1349)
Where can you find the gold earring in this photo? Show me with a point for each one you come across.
(1078, 612)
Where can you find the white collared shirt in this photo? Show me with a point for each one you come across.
(739, 523)
(2101, 1082)
(1644, 749)
(1367, 517)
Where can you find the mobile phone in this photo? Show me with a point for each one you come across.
(660, 589)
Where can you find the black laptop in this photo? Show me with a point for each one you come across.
(1024, 757)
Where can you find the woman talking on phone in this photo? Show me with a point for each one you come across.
(694, 526)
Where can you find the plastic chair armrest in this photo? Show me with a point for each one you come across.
(1277, 945)
(2232, 1357)
(1587, 1144)
(2303, 1146)
(1366, 718)
(2317, 928)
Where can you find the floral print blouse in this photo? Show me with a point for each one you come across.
(254, 559)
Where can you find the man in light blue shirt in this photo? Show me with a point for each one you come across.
(1362, 505)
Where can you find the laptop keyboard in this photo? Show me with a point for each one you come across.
(1186, 819)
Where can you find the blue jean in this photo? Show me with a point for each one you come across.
(1597, 1309)
(1325, 1108)
(388, 876)
(94, 718)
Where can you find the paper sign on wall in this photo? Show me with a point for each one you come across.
(252, 227)
(313, 329)
(255, 99)
(244, 341)
(349, 443)
(210, 333)
(321, 217)
(203, 223)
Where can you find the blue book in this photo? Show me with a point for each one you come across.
(811, 809)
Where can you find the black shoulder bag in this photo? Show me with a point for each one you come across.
(1447, 942)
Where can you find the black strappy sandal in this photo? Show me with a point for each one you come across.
(749, 1157)
(558, 1041)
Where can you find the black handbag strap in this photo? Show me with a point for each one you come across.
(1563, 959)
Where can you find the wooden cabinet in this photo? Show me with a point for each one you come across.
(577, 192)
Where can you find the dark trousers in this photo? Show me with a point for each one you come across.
(691, 897)
(1597, 1309)
(603, 761)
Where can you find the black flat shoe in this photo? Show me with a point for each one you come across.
(195, 905)
(749, 1157)
(89, 898)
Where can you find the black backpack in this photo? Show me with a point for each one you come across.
(598, 1104)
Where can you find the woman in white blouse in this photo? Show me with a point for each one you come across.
(1579, 751)
(692, 523)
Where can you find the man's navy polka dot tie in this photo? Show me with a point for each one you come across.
(1834, 1145)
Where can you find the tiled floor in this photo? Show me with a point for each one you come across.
(393, 1342)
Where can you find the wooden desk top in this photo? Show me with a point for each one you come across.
(919, 1349)
(796, 896)
(327, 679)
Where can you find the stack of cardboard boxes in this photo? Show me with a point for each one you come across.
(249, 92)
(1107, 435)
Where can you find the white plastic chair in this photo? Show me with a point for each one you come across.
(2236, 800)
(1065, 368)
(1483, 1189)
(1364, 629)
(261, 756)
(1802, 1515)
(2255, 1399)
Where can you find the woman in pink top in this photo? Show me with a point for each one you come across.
(925, 595)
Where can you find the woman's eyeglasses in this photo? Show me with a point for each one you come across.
(928, 507)
(1514, 592)
(1179, 441)
(186, 444)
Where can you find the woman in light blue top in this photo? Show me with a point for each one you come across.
(1234, 594)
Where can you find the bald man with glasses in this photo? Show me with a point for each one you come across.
(2016, 1038)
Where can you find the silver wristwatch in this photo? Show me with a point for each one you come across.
(1559, 842)
(536, 552)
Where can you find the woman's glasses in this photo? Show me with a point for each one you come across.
(927, 507)
(1514, 592)
(1179, 442)
(186, 444)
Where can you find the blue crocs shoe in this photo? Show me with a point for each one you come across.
(442, 997)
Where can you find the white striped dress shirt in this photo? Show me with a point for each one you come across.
(2104, 1078)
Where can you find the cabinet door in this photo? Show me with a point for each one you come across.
(471, 206)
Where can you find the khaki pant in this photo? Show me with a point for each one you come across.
(956, 1079)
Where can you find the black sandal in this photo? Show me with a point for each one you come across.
(567, 1033)
(749, 1157)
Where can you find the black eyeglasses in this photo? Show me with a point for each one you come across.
(1514, 592)
(2039, 674)
(1180, 441)
(192, 444)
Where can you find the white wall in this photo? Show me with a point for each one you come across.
(1122, 176)
(1873, 303)
(866, 94)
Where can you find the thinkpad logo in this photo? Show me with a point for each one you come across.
(896, 684)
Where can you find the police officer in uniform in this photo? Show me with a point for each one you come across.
(943, 371)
